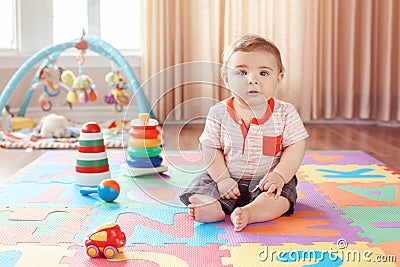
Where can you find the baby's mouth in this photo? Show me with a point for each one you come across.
(253, 92)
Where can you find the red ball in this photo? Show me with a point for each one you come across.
(91, 127)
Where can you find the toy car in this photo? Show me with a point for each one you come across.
(107, 239)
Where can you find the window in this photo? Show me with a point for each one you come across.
(115, 21)
(29, 27)
(69, 20)
(7, 29)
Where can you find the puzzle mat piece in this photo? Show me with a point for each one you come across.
(165, 189)
(39, 174)
(144, 255)
(34, 255)
(165, 194)
(379, 224)
(314, 220)
(46, 226)
(339, 157)
(44, 195)
(361, 194)
(102, 216)
(392, 170)
(153, 192)
(9, 257)
(289, 254)
(182, 158)
(179, 176)
(110, 212)
(168, 228)
(12, 193)
(390, 249)
(45, 160)
(157, 189)
(58, 166)
(346, 174)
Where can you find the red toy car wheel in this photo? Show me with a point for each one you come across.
(110, 252)
(92, 251)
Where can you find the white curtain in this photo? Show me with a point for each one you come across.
(342, 57)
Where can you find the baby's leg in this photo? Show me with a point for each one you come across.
(205, 208)
(263, 208)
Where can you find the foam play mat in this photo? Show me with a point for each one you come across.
(347, 214)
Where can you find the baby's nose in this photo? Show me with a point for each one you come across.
(252, 79)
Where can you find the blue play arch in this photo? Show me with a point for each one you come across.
(52, 52)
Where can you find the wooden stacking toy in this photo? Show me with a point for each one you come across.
(92, 162)
(143, 148)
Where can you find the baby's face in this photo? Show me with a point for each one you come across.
(252, 77)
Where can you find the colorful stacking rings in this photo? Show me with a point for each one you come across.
(92, 162)
(144, 133)
(144, 162)
(137, 152)
(144, 143)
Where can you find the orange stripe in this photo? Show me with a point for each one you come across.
(112, 184)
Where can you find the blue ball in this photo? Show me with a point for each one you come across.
(106, 193)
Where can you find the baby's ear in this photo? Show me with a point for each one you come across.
(280, 76)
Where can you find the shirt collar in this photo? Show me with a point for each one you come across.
(262, 120)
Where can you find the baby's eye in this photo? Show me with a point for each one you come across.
(264, 73)
(243, 72)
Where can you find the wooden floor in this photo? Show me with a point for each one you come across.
(382, 143)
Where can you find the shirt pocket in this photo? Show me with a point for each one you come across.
(272, 145)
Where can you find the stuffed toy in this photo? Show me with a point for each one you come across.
(117, 94)
(51, 83)
(54, 125)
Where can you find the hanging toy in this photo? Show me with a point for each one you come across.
(118, 87)
(50, 79)
(83, 88)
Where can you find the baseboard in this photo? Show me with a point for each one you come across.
(105, 113)
(86, 113)
(393, 124)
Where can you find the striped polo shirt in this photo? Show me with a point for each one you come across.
(251, 153)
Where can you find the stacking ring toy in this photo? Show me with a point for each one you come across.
(91, 149)
(91, 142)
(136, 152)
(92, 163)
(94, 169)
(144, 133)
(144, 143)
(144, 162)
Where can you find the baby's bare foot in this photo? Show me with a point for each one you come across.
(240, 218)
(202, 210)
(192, 208)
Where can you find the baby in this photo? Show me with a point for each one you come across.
(252, 143)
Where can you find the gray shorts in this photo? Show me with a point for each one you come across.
(205, 185)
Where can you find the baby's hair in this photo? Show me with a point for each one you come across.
(249, 43)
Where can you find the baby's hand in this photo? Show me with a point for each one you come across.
(228, 189)
(272, 182)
